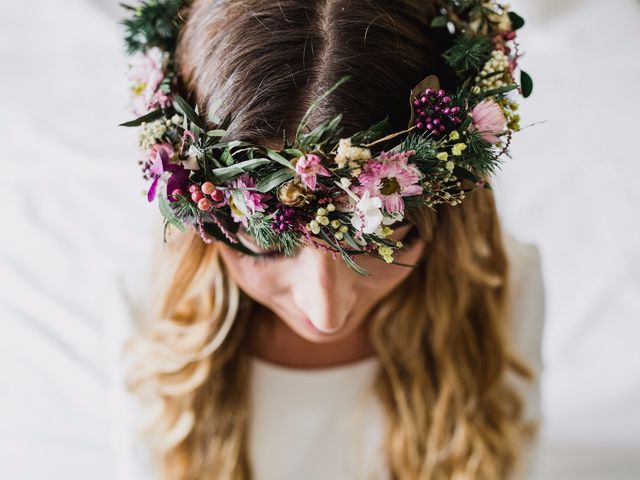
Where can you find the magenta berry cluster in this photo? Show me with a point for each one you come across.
(436, 112)
(285, 219)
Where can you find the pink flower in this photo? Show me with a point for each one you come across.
(253, 201)
(308, 167)
(146, 75)
(489, 120)
(390, 177)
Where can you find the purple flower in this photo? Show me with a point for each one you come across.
(308, 167)
(390, 178)
(159, 158)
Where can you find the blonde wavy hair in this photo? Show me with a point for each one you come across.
(441, 335)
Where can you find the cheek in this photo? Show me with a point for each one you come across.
(264, 282)
(385, 277)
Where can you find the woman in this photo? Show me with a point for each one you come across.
(255, 364)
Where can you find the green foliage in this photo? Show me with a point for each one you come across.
(325, 133)
(154, 23)
(260, 228)
(425, 156)
(480, 157)
(149, 117)
(468, 53)
(526, 82)
(315, 104)
(372, 134)
(517, 22)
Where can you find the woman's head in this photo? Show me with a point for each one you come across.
(437, 326)
(266, 62)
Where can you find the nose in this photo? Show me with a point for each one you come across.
(323, 289)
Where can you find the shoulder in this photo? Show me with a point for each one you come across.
(527, 302)
(526, 318)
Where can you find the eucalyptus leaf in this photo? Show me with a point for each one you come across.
(149, 117)
(226, 158)
(439, 22)
(498, 91)
(227, 173)
(239, 202)
(316, 136)
(182, 106)
(216, 133)
(274, 179)
(275, 156)
(294, 152)
(303, 123)
(168, 213)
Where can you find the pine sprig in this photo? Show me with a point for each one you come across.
(260, 228)
(425, 156)
(154, 23)
(480, 157)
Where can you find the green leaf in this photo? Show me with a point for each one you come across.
(321, 133)
(465, 174)
(232, 144)
(238, 200)
(373, 133)
(216, 133)
(226, 158)
(526, 82)
(275, 156)
(227, 173)
(149, 117)
(517, 22)
(303, 123)
(498, 91)
(169, 214)
(182, 106)
(345, 256)
(294, 152)
(439, 22)
(274, 179)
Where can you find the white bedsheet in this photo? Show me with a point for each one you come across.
(74, 215)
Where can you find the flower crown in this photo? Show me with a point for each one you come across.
(348, 192)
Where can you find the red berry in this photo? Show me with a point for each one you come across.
(208, 188)
(177, 192)
(194, 188)
(204, 204)
(197, 196)
(217, 195)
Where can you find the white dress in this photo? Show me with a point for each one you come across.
(320, 424)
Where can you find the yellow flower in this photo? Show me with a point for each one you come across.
(442, 156)
(458, 148)
(454, 135)
(386, 253)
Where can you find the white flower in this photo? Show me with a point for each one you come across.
(346, 153)
(151, 133)
(367, 215)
